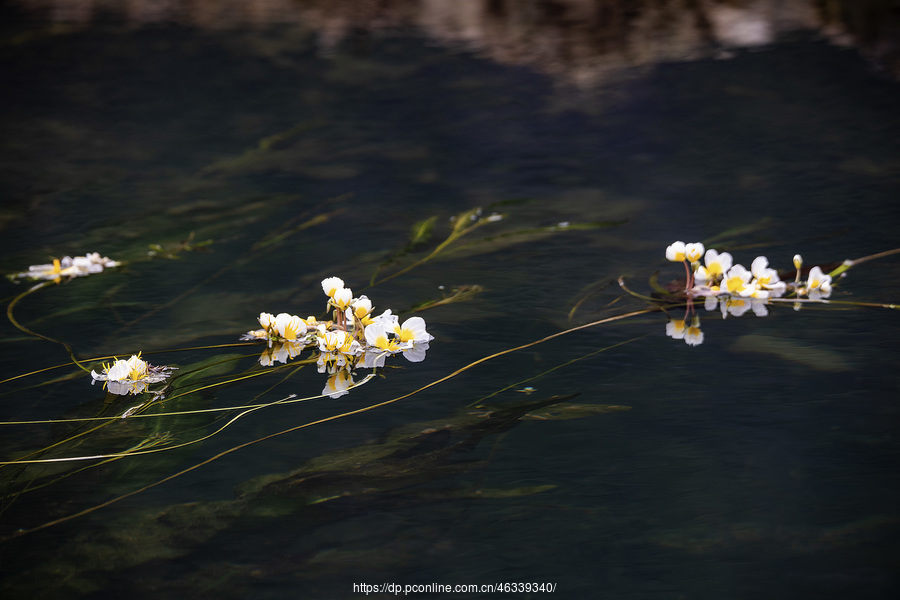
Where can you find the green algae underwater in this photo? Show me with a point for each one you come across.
(553, 432)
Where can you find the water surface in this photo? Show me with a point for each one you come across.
(760, 462)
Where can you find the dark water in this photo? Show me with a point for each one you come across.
(762, 462)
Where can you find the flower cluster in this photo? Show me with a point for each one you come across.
(69, 267)
(733, 289)
(130, 376)
(354, 338)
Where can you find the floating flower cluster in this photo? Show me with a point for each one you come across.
(354, 338)
(131, 376)
(734, 290)
(69, 267)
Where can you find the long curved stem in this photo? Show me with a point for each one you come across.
(325, 420)
(22, 328)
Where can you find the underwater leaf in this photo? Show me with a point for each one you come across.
(566, 411)
(509, 239)
(815, 357)
(421, 232)
(462, 293)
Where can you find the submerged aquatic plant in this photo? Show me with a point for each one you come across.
(351, 338)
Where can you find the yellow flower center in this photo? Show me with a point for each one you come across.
(385, 344)
(734, 284)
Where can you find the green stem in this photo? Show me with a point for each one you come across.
(22, 328)
(852, 263)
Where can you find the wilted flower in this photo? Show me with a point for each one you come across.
(130, 376)
(70, 267)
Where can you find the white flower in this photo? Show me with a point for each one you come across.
(338, 342)
(798, 261)
(412, 330)
(267, 320)
(766, 277)
(737, 282)
(342, 298)
(716, 267)
(133, 369)
(693, 252)
(361, 309)
(289, 327)
(675, 252)
(818, 284)
(377, 337)
(675, 329)
(331, 284)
